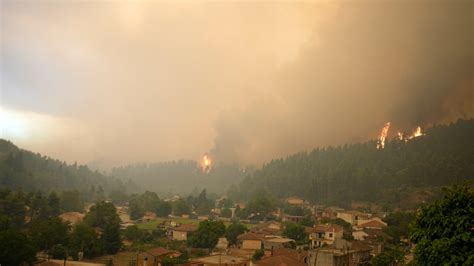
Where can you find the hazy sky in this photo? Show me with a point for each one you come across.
(247, 81)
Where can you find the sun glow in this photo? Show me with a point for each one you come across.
(13, 124)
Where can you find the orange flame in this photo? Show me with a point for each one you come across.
(400, 135)
(383, 136)
(206, 163)
(417, 133)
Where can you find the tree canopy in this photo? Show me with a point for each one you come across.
(443, 231)
(338, 175)
(207, 234)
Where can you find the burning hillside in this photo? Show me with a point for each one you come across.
(402, 136)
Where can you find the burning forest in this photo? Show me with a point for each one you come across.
(384, 134)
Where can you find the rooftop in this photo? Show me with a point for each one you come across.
(157, 252)
(280, 260)
(251, 236)
(220, 259)
(186, 228)
(326, 228)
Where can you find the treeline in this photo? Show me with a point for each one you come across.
(181, 177)
(339, 175)
(139, 204)
(21, 169)
(30, 222)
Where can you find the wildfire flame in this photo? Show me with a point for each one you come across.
(383, 136)
(206, 163)
(400, 135)
(417, 133)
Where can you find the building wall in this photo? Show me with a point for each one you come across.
(359, 235)
(181, 236)
(251, 244)
(330, 259)
(346, 217)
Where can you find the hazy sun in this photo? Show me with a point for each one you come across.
(12, 124)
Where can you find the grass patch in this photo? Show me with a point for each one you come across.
(154, 224)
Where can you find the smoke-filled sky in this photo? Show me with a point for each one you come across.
(246, 81)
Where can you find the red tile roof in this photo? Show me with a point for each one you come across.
(250, 236)
(280, 260)
(372, 224)
(292, 253)
(186, 228)
(327, 228)
(157, 252)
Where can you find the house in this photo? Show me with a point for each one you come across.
(329, 257)
(292, 218)
(372, 224)
(268, 228)
(359, 235)
(342, 252)
(360, 252)
(72, 217)
(295, 201)
(156, 255)
(325, 234)
(251, 241)
(272, 242)
(352, 217)
(203, 217)
(330, 212)
(376, 234)
(243, 253)
(279, 260)
(149, 216)
(220, 259)
(376, 246)
(181, 232)
(298, 254)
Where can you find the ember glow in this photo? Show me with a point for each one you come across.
(400, 135)
(383, 136)
(206, 163)
(417, 133)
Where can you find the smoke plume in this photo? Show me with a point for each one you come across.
(410, 63)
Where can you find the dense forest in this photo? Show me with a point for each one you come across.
(339, 175)
(21, 169)
(331, 175)
(181, 177)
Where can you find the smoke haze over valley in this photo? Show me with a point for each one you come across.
(244, 132)
(114, 83)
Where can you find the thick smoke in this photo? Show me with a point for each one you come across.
(410, 63)
(127, 81)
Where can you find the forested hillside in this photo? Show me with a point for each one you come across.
(31, 171)
(339, 175)
(181, 177)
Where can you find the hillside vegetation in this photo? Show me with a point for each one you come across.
(181, 177)
(31, 171)
(360, 172)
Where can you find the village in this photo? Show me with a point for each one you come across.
(323, 235)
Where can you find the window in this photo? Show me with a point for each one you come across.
(330, 234)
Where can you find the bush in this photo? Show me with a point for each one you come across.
(58, 252)
(259, 253)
